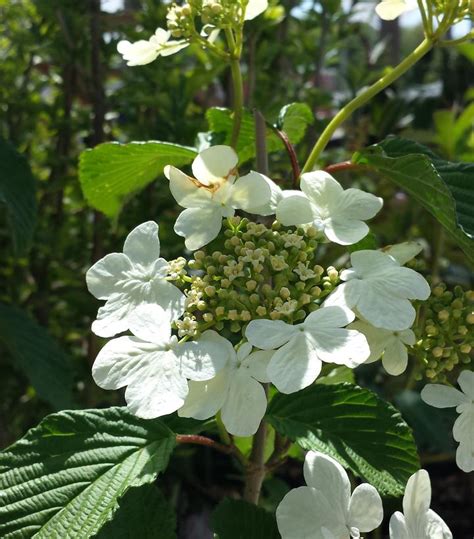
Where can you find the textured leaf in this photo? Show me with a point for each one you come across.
(37, 354)
(354, 426)
(294, 119)
(110, 172)
(63, 479)
(142, 513)
(236, 519)
(18, 193)
(444, 188)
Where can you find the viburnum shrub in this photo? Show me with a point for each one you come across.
(244, 333)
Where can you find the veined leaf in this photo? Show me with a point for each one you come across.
(354, 426)
(64, 478)
(110, 172)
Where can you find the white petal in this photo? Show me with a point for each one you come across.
(346, 295)
(205, 399)
(256, 365)
(249, 192)
(142, 245)
(329, 317)
(341, 346)
(172, 47)
(168, 297)
(215, 163)
(199, 226)
(441, 396)
(395, 358)
(405, 283)
(404, 252)
(417, 496)
(245, 406)
(345, 232)
(436, 527)
(244, 351)
(465, 453)
(269, 208)
(269, 334)
(294, 366)
(295, 210)
(161, 36)
(398, 528)
(365, 508)
(102, 278)
(376, 337)
(359, 205)
(466, 383)
(185, 190)
(368, 263)
(322, 189)
(139, 53)
(255, 8)
(391, 9)
(408, 337)
(327, 475)
(113, 317)
(151, 323)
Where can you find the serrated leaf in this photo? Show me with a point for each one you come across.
(444, 188)
(142, 513)
(38, 355)
(18, 193)
(294, 119)
(64, 478)
(111, 172)
(236, 519)
(354, 426)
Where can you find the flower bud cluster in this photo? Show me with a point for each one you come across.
(447, 336)
(260, 272)
(180, 20)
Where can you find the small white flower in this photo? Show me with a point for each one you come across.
(321, 337)
(235, 391)
(442, 396)
(391, 9)
(255, 8)
(389, 345)
(323, 203)
(325, 508)
(418, 521)
(144, 52)
(216, 192)
(380, 290)
(154, 365)
(130, 279)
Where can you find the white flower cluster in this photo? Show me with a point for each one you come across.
(325, 508)
(203, 372)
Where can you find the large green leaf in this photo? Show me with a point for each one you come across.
(294, 120)
(18, 193)
(444, 188)
(142, 513)
(354, 426)
(236, 519)
(110, 172)
(38, 355)
(63, 479)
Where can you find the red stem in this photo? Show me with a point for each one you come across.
(339, 167)
(203, 440)
(292, 154)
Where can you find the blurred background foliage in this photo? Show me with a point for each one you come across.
(64, 88)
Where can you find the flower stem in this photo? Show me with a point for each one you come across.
(365, 97)
(238, 85)
(255, 472)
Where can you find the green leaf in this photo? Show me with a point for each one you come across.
(294, 119)
(63, 479)
(354, 426)
(37, 354)
(444, 188)
(142, 513)
(236, 519)
(111, 172)
(18, 193)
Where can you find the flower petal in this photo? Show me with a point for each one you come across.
(245, 406)
(365, 508)
(172, 47)
(466, 383)
(113, 317)
(199, 226)
(103, 277)
(441, 396)
(398, 527)
(214, 164)
(142, 245)
(269, 334)
(404, 252)
(340, 346)
(255, 8)
(391, 9)
(250, 191)
(345, 231)
(294, 366)
(269, 208)
(395, 358)
(151, 323)
(185, 191)
(359, 205)
(436, 527)
(168, 297)
(405, 283)
(465, 453)
(295, 210)
(368, 263)
(346, 295)
(256, 365)
(417, 496)
(323, 191)
(329, 317)
(376, 337)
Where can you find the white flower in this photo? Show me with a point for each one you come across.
(391, 9)
(325, 508)
(404, 252)
(324, 204)
(380, 289)
(235, 391)
(216, 192)
(463, 432)
(305, 346)
(389, 345)
(130, 279)
(154, 365)
(255, 8)
(144, 52)
(418, 521)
